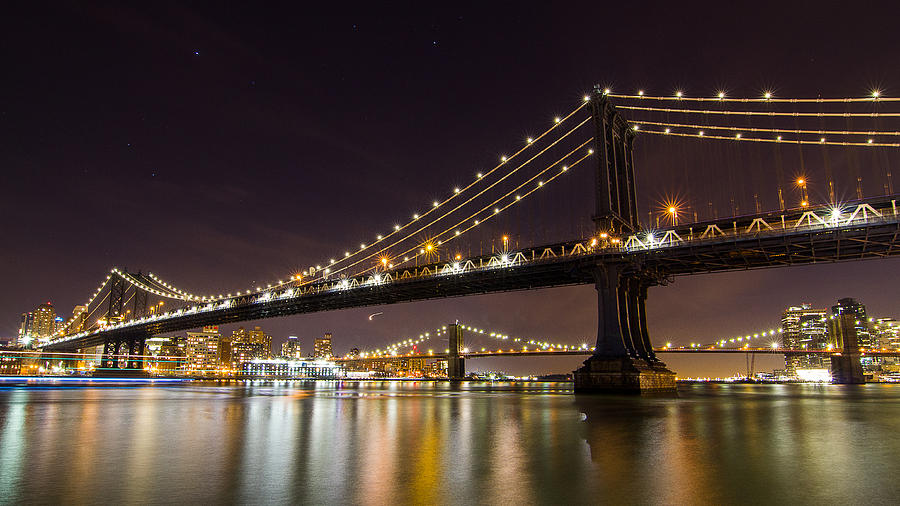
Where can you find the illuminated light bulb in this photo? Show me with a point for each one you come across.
(540, 183)
(406, 259)
(590, 151)
(606, 91)
(440, 242)
(869, 141)
(778, 138)
(667, 130)
(456, 233)
(767, 95)
(678, 94)
(429, 247)
(479, 175)
(518, 197)
(476, 222)
(327, 271)
(503, 158)
(456, 190)
(636, 128)
(346, 253)
(565, 168)
(876, 93)
(378, 237)
(586, 98)
(557, 119)
(362, 246)
(529, 140)
(640, 93)
(416, 216)
(737, 136)
(331, 261)
(822, 139)
(700, 133)
(435, 203)
(804, 203)
(496, 210)
(721, 95)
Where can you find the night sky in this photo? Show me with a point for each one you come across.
(222, 147)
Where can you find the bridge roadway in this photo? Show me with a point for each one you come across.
(583, 352)
(855, 231)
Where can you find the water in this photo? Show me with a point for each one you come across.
(431, 443)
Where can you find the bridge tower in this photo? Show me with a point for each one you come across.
(456, 365)
(846, 367)
(623, 360)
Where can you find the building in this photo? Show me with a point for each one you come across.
(291, 348)
(172, 356)
(202, 350)
(887, 333)
(804, 328)
(44, 321)
(26, 329)
(322, 347)
(10, 362)
(292, 369)
(249, 345)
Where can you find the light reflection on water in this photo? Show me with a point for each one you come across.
(433, 443)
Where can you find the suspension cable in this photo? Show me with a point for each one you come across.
(764, 113)
(822, 142)
(875, 97)
(768, 130)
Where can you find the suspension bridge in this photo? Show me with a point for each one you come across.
(622, 254)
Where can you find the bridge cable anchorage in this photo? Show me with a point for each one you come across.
(453, 229)
(794, 114)
(458, 191)
(870, 133)
(470, 199)
(874, 97)
(779, 140)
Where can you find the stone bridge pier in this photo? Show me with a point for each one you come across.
(623, 360)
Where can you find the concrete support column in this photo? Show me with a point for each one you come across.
(610, 342)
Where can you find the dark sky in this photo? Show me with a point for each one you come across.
(221, 146)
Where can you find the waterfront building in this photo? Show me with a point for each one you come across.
(26, 329)
(249, 345)
(44, 321)
(804, 328)
(202, 350)
(322, 347)
(887, 333)
(291, 348)
(292, 369)
(172, 355)
(10, 362)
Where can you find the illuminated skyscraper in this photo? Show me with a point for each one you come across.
(291, 348)
(202, 350)
(79, 317)
(322, 347)
(44, 321)
(887, 333)
(804, 328)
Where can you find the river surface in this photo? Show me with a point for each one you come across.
(433, 443)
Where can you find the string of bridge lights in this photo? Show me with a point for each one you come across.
(397, 228)
(456, 231)
(87, 304)
(393, 348)
(767, 96)
(794, 114)
(869, 133)
(470, 199)
(701, 134)
(725, 341)
(179, 294)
